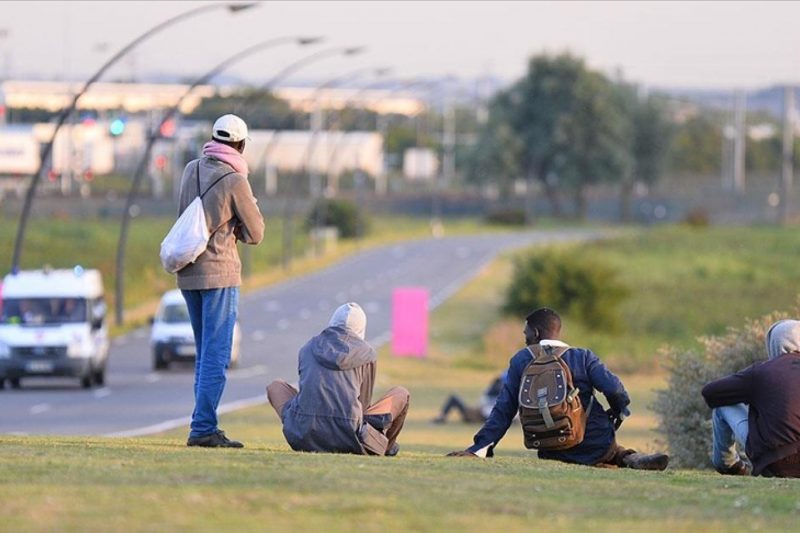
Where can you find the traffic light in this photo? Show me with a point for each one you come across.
(117, 127)
(161, 162)
(168, 128)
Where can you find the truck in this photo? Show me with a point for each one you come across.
(53, 323)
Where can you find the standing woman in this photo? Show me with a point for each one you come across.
(210, 285)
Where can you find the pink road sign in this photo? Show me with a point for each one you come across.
(410, 322)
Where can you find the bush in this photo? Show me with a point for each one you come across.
(697, 218)
(506, 217)
(586, 290)
(684, 418)
(344, 215)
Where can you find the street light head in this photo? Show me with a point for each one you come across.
(303, 41)
(355, 50)
(236, 8)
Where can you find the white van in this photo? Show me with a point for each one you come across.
(52, 323)
(172, 337)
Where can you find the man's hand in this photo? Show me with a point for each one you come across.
(461, 453)
(617, 418)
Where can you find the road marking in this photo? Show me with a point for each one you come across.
(102, 393)
(186, 420)
(40, 408)
(258, 335)
(152, 377)
(249, 372)
(283, 324)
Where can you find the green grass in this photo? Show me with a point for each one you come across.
(689, 282)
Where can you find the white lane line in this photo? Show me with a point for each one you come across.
(283, 324)
(249, 372)
(152, 377)
(185, 420)
(40, 408)
(102, 393)
(258, 335)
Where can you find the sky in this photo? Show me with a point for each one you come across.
(710, 45)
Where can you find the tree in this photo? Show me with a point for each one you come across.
(598, 134)
(651, 138)
(496, 156)
(262, 109)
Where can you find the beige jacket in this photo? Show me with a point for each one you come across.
(231, 214)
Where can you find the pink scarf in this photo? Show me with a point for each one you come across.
(228, 155)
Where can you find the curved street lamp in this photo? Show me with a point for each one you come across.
(156, 134)
(48, 148)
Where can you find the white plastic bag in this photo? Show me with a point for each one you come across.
(187, 239)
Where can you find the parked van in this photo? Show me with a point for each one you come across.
(53, 323)
(172, 337)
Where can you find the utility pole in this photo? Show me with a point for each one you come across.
(787, 167)
(739, 144)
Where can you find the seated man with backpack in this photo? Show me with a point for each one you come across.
(552, 385)
(333, 410)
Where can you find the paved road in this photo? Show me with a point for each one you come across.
(275, 322)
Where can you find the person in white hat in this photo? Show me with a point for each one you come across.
(333, 410)
(210, 285)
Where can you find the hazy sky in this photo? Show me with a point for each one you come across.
(697, 44)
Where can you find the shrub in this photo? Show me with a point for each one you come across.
(344, 215)
(584, 290)
(684, 418)
(507, 217)
(697, 218)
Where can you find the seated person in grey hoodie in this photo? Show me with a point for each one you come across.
(333, 410)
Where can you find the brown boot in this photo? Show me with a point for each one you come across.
(641, 461)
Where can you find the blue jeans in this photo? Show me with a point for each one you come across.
(730, 427)
(213, 314)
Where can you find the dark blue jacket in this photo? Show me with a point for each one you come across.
(588, 373)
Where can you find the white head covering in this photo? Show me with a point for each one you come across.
(351, 317)
(783, 337)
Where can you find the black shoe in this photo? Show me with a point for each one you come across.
(640, 461)
(739, 468)
(394, 450)
(215, 440)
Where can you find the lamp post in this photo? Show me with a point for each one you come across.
(315, 182)
(48, 148)
(156, 134)
(287, 240)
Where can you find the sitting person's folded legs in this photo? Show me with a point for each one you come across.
(279, 393)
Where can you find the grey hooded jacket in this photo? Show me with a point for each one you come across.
(337, 370)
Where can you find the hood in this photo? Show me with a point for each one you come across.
(351, 317)
(783, 337)
(338, 349)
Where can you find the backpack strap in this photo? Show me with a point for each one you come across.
(197, 174)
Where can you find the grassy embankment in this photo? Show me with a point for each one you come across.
(158, 484)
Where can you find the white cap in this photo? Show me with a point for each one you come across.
(351, 317)
(229, 128)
